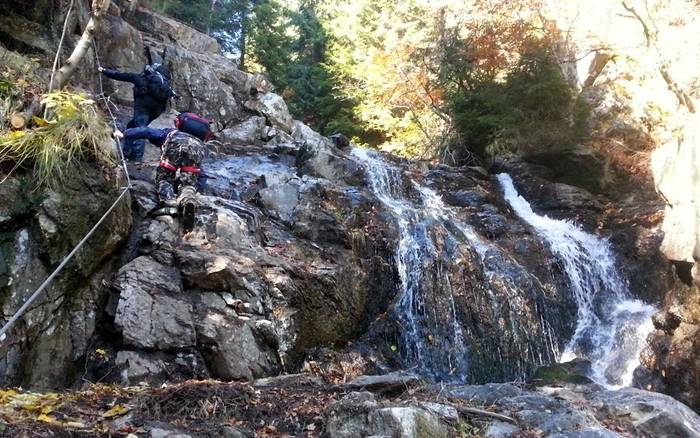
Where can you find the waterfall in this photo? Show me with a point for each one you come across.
(611, 326)
(436, 349)
(440, 259)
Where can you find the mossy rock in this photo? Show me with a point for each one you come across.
(574, 372)
(578, 167)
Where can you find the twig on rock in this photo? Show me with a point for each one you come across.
(482, 413)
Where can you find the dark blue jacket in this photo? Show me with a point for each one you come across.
(155, 136)
(138, 79)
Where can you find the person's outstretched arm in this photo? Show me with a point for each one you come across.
(156, 136)
(120, 76)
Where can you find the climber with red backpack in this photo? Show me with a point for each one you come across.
(152, 91)
(183, 150)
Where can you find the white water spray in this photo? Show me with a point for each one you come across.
(611, 326)
(439, 353)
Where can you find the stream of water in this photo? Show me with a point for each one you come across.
(611, 326)
(441, 354)
(432, 240)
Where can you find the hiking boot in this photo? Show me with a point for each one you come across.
(188, 216)
(188, 203)
(187, 194)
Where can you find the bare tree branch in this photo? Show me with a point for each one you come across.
(596, 67)
(651, 39)
(99, 10)
(648, 35)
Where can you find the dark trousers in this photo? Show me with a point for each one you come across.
(143, 115)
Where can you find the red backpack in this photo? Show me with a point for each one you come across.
(195, 125)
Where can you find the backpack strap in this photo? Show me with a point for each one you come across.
(164, 163)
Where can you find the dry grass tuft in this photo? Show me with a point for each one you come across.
(73, 133)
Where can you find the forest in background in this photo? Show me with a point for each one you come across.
(465, 82)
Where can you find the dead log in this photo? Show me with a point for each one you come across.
(600, 60)
(21, 119)
(474, 412)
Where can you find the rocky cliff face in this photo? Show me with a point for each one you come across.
(293, 251)
(672, 360)
(304, 256)
(39, 228)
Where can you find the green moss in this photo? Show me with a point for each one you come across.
(467, 430)
(560, 374)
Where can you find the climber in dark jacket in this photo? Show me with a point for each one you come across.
(151, 94)
(179, 170)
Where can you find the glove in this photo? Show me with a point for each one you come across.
(100, 69)
(118, 134)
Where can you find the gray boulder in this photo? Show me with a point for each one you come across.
(152, 367)
(564, 196)
(137, 367)
(282, 199)
(229, 342)
(248, 132)
(274, 108)
(323, 160)
(222, 271)
(651, 413)
(204, 82)
(304, 135)
(359, 414)
(566, 421)
(152, 311)
(349, 417)
(500, 429)
(407, 422)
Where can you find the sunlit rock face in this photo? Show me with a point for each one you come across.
(672, 360)
(676, 167)
(300, 248)
(277, 264)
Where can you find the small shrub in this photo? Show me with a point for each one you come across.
(73, 133)
(532, 110)
(466, 430)
(6, 88)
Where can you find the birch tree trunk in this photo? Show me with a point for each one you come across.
(99, 10)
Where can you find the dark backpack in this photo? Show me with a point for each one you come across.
(158, 86)
(194, 125)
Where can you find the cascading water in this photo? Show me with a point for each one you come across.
(440, 258)
(611, 326)
(436, 352)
